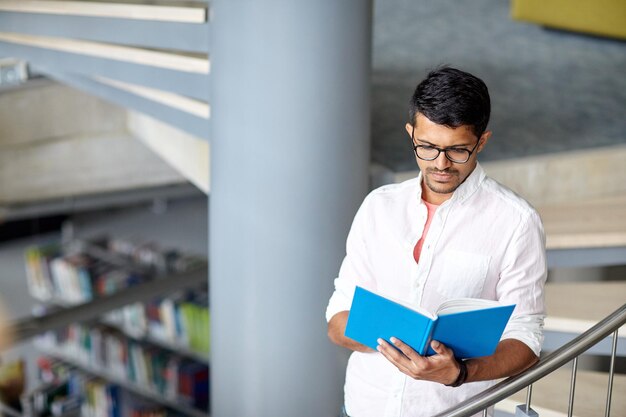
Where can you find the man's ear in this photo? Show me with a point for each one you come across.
(484, 138)
(409, 128)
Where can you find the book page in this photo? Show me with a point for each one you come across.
(464, 304)
(417, 309)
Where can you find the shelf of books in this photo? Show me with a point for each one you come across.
(91, 286)
(178, 322)
(67, 390)
(142, 328)
(180, 385)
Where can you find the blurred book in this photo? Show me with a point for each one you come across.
(12, 383)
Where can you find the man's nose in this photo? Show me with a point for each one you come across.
(442, 162)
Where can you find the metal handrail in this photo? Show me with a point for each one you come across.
(545, 366)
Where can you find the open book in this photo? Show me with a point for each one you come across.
(471, 327)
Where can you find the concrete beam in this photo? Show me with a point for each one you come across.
(151, 34)
(188, 154)
(43, 60)
(187, 13)
(193, 63)
(184, 120)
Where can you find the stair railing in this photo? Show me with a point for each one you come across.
(568, 352)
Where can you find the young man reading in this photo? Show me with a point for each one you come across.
(451, 232)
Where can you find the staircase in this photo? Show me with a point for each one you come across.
(574, 308)
(550, 395)
(85, 153)
(132, 91)
(150, 57)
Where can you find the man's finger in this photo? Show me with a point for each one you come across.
(384, 346)
(393, 355)
(408, 351)
(440, 348)
(396, 358)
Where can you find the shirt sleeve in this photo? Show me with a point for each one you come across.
(522, 282)
(354, 268)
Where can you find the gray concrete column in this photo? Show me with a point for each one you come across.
(289, 168)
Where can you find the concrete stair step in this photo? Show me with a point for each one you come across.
(550, 395)
(574, 307)
(586, 223)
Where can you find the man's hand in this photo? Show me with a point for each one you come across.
(442, 367)
(336, 330)
(511, 358)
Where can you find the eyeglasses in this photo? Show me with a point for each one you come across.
(430, 153)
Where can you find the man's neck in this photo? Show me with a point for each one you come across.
(432, 197)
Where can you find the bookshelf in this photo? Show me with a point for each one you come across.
(9, 412)
(61, 318)
(27, 328)
(177, 348)
(119, 285)
(108, 376)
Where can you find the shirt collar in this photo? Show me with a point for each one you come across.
(470, 185)
(414, 206)
(465, 190)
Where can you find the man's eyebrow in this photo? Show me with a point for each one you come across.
(425, 141)
(432, 144)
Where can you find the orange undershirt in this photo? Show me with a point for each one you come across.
(418, 246)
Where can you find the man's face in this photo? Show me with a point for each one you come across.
(442, 176)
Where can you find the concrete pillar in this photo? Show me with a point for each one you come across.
(289, 167)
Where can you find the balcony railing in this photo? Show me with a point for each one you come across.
(568, 352)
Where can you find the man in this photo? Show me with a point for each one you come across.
(451, 232)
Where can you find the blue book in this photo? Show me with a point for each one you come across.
(471, 327)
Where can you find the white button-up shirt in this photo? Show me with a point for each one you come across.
(484, 242)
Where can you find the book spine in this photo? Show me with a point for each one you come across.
(428, 337)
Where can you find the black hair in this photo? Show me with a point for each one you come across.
(453, 98)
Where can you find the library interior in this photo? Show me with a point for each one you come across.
(178, 179)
